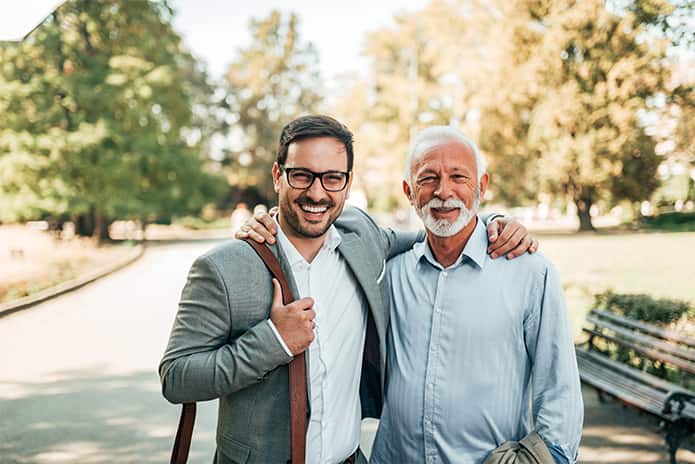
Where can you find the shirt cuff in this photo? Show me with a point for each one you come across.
(557, 453)
(282, 342)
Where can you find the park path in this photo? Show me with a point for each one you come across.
(78, 381)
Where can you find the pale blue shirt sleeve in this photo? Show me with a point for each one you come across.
(557, 454)
(558, 409)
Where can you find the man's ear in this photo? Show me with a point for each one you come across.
(277, 175)
(349, 185)
(408, 192)
(484, 180)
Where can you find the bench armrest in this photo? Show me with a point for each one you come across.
(675, 402)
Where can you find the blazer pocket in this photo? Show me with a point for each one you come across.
(232, 452)
(382, 273)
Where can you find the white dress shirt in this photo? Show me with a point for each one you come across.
(335, 355)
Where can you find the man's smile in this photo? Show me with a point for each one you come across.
(314, 209)
(314, 212)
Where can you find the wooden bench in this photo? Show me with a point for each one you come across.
(673, 404)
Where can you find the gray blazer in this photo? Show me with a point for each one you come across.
(222, 347)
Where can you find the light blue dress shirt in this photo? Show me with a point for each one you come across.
(479, 353)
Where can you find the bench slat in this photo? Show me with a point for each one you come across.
(641, 401)
(649, 352)
(666, 347)
(645, 377)
(638, 395)
(665, 334)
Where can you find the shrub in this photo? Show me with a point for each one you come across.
(659, 311)
(643, 307)
(673, 221)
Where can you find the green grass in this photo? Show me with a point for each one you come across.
(658, 264)
(197, 223)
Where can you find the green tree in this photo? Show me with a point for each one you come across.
(94, 112)
(272, 81)
(603, 72)
(514, 88)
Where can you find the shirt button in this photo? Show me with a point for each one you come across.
(445, 273)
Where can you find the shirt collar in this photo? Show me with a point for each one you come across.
(475, 250)
(330, 243)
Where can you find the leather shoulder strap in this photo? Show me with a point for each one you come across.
(182, 443)
(273, 265)
(297, 367)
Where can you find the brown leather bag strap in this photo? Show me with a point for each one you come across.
(298, 390)
(182, 443)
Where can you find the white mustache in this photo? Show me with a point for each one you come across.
(448, 203)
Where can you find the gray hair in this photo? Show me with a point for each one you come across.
(433, 136)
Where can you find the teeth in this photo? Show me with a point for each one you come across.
(314, 209)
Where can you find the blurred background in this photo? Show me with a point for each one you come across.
(121, 118)
(131, 120)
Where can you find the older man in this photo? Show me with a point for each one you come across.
(480, 350)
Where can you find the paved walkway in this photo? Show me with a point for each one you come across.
(616, 434)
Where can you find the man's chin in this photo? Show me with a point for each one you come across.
(313, 230)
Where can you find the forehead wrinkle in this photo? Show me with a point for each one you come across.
(448, 164)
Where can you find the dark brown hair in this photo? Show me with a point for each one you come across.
(315, 125)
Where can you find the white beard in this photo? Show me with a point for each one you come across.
(443, 227)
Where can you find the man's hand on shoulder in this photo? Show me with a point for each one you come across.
(294, 322)
(261, 227)
(509, 237)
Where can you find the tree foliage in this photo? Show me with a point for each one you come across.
(603, 74)
(559, 94)
(270, 82)
(95, 107)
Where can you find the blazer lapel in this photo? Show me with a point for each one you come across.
(362, 264)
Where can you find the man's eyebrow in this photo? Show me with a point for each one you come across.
(427, 171)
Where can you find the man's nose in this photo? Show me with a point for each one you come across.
(444, 189)
(316, 190)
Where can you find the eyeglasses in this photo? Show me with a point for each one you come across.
(331, 181)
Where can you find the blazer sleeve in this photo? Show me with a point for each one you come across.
(200, 362)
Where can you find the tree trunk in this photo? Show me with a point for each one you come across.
(143, 228)
(584, 214)
(101, 231)
(84, 227)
